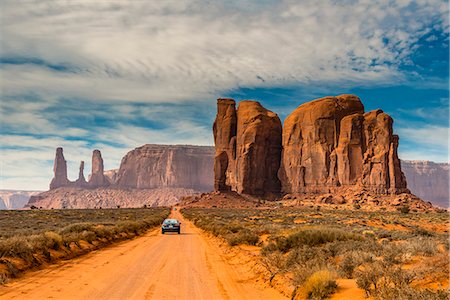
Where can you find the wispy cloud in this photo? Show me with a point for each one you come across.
(114, 75)
(154, 51)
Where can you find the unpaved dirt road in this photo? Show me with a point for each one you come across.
(154, 266)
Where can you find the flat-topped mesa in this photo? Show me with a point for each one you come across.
(248, 148)
(97, 178)
(60, 171)
(167, 166)
(330, 143)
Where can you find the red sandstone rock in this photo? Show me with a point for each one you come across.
(329, 144)
(248, 148)
(224, 130)
(310, 138)
(158, 166)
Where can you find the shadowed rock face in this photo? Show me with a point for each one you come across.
(248, 148)
(60, 170)
(158, 166)
(224, 130)
(330, 143)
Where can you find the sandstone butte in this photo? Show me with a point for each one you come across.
(326, 145)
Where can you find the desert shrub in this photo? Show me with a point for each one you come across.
(88, 236)
(422, 232)
(242, 237)
(76, 227)
(410, 293)
(16, 247)
(397, 277)
(421, 246)
(312, 237)
(392, 254)
(347, 266)
(274, 263)
(368, 277)
(54, 240)
(3, 278)
(404, 209)
(319, 285)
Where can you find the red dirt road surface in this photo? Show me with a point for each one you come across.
(154, 266)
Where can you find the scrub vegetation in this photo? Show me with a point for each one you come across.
(31, 238)
(389, 255)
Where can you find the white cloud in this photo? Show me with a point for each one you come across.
(172, 51)
(426, 142)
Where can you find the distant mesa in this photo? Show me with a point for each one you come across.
(325, 146)
(161, 166)
(146, 167)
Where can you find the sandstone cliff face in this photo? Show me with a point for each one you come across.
(156, 166)
(330, 143)
(310, 138)
(428, 180)
(248, 148)
(224, 130)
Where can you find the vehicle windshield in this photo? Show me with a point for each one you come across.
(170, 221)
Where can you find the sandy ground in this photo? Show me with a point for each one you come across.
(153, 266)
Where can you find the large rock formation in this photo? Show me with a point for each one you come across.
(224, 130)
(330, 143)
(428, 180)
(60, 170)
(248, 148)
(176, 166)
(97, 179)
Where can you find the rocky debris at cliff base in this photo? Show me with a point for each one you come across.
(226, 199)
(366, 201)
(353, 200)
(75, 198)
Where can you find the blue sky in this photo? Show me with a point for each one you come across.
(114, 75)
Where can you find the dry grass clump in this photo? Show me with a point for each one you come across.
(369, 247)
(318, 286)
(35, 249)
(311, 237)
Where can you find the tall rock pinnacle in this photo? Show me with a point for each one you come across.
(97, 178)
(59, 170)
(81, 181)
(248, 148)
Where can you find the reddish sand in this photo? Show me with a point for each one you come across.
(154, 266)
